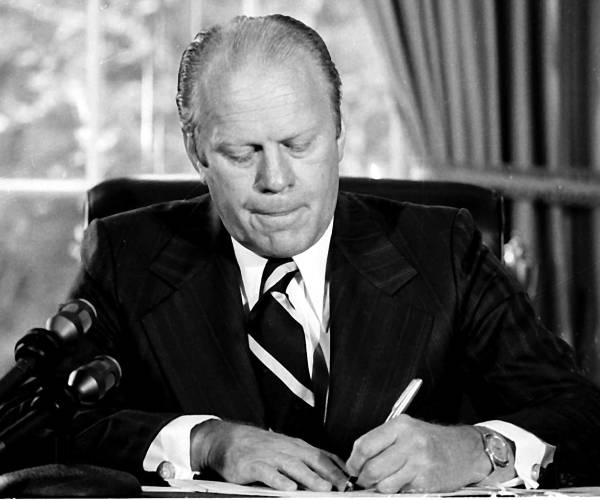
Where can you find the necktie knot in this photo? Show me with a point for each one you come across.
(277, 275)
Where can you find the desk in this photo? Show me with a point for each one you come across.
(62, 481)
(216, 489)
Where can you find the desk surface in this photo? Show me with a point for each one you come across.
(215, 489)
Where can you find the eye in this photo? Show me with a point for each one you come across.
(241, 158)
(297, 146)
(243, 155)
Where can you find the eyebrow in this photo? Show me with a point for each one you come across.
(219, 142)
(302, 135)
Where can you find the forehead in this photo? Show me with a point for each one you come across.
(267, 99)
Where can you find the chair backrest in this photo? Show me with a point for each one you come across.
(486, 205)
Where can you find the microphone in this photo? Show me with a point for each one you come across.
(74, 318)
(92, 381)
(85, 386)
(40, 348)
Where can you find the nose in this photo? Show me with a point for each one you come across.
(274, 172)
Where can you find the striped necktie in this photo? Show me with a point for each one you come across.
(277, 341)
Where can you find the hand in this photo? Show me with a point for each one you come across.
(411, 455)
(243, 454)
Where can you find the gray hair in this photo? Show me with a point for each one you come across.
(273, 37)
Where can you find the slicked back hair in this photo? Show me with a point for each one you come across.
(228, 46)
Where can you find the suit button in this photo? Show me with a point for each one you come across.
(535, 472)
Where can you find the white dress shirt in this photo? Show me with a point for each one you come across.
(309, 294)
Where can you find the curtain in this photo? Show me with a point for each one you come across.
(511, 88)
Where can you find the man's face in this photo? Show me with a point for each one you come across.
(272, 156)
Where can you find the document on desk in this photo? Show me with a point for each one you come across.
(224, 488)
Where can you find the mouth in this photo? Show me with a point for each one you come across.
(275, 213)
(277, 217)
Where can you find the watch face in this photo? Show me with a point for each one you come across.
(497, 449)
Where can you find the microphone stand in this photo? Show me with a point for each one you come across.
(19, 403)
(50, 408)
(45, 409)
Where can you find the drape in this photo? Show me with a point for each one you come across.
(511, 87)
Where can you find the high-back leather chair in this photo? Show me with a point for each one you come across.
(486, 205)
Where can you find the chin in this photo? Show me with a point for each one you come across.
(279, 252)
(284, 249)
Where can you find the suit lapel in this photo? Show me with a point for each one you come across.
(376, 336)
(197, 325)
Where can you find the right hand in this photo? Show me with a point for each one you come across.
(244, 454)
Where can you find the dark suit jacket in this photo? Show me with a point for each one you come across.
(413, 294)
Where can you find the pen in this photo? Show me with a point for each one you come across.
(399, 407)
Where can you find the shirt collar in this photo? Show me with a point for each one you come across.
(312, 264)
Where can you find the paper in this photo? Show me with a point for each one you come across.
(183, 486)
(224, 488)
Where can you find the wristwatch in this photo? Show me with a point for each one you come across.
(496, 447)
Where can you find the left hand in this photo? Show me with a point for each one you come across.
(411, 455)
(244, 454)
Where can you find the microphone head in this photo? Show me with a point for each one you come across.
(73, 319)
(93, 380)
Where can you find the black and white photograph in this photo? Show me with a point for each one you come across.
(299, 248)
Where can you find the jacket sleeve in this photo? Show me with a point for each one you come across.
(118, 432)
(518, 371)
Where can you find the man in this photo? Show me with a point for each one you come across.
(381, 293)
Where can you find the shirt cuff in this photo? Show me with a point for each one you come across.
(531, 453)
(170, 449)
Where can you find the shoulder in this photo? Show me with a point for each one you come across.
(143, 232)
(421, 224)
(167, 214)
(430, 238)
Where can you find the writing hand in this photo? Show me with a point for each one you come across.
(244, 454)
(411, 455)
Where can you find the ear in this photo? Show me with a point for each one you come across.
(190, 148)
(341, 140)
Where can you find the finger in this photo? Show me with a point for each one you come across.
(339, 484)
(388, 462)
(302, 474)
(329, 467)
(338, 461)
(368, 446)
(400, 480)
(269, 475)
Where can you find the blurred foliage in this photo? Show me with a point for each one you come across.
(40, 83)
(37, 261)
(43, 82)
